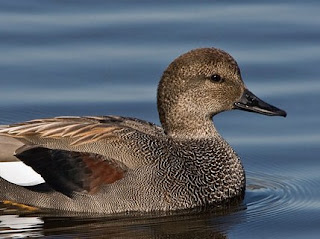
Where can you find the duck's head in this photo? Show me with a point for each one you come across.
(199, 84)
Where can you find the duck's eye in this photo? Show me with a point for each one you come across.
(216, 78)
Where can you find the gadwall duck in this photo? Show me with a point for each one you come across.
(110, 164)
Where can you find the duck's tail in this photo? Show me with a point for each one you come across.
(11, 194)
(14, 194)
(31, 197)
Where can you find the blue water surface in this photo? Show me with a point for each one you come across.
(106, 57)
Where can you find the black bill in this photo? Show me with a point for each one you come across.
(250, 102)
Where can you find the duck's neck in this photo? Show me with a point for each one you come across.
(182, 118)
(180, 126)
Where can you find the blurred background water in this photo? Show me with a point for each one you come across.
(106, 57)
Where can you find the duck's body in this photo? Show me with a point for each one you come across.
(152, 172)
(113, 164)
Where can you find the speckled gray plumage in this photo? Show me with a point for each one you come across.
(182, 165)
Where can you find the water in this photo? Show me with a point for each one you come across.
(100, 57)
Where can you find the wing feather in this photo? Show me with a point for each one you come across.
(69, 171)
(111, 136)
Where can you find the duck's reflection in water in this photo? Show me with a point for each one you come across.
(195, 223)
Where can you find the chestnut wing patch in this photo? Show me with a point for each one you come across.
(70, 171)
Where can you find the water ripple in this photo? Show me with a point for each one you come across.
(272, 196)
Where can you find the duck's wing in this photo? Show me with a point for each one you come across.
(126, 140)
(7, 147)
(69, 171)
(82, 154)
